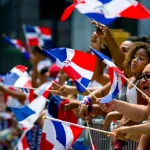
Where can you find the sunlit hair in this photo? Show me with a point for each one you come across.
(133, 49)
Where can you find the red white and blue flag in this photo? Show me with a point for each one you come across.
(58, 135)
(18, 77)
(106, 11)
(117, 77)
(36, 35)
(76, 64)
(27, 115)
(18, 44)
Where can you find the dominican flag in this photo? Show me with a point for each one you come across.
(18, 44)
(36, 35)
(27, 115)
(58, 135)
(76, 64)
(18, 77)
(106, 11)
(117, 77)
(30, 113)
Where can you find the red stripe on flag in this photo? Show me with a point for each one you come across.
(28, 84)
(33, 42)
(21, 68)
(18, 42)
(140, 12)
(76, 131)
(111, 74)
(25, 143)
(45, 145)
(84, 60)
(71, 72)
(46, 31)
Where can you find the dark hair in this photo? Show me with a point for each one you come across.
(44, 70)
(145, 39)
(38, 50)
(133, 49)
(105, 51)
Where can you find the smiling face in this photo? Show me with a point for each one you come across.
(139, 61)
(145, 81)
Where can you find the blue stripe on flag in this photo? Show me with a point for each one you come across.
(101, 55)
(59, 53)
(10, 79)
(110, 96)
(9, 41)
(30, 29)
(60, 132)
(105, 1)
(100, 18)
(22, 113)
(85, 82)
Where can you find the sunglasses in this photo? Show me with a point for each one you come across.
(145, 76)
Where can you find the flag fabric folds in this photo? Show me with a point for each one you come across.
(18, 77)
(117, 77)
(36, 35)
(106, 11)
(76, 64)
(23, 144)
(18, 44)
(27, 115)
(61, 135)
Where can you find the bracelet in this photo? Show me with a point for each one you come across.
(87, 101)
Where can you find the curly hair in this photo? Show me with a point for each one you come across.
(133, 49)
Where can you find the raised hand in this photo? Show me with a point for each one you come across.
(101, 29)
(96, 43)
(71, 105)
(122, 133)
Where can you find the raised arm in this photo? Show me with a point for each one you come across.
(118, 56)
(99, 74)
(20, 96)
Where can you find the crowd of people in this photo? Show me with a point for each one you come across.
(130, 108)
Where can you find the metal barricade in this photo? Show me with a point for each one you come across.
(102, 141)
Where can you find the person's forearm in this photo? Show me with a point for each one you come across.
(144, 143)
(19, 95)
(140, 129)
(101, 92)
(134, 112)
(34, 76)
(97, 110)
(117, 54)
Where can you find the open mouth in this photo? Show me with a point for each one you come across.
(145, 87)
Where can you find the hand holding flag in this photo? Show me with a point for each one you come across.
(117, 77)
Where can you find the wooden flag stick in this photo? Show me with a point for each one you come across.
(53, 91)
(87, 90)
(77, 125)
(22, 136)
(90, 136)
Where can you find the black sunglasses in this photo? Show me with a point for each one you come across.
(145, 76)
